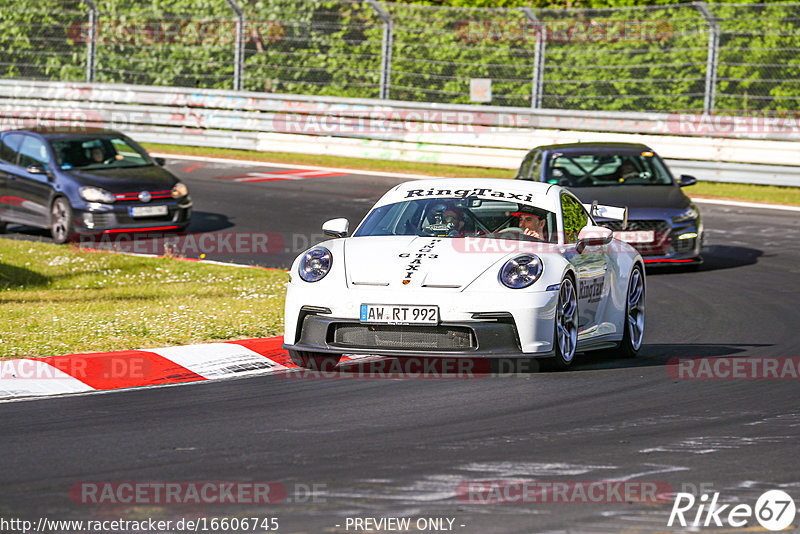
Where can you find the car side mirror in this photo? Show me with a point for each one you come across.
(687, 180)
(160, 161)
(336, 228)
(593, 236)
(36, 169)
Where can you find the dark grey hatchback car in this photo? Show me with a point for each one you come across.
(663, 223)
(87, 183)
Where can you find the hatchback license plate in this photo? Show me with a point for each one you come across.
(398, 314)
(147, 211)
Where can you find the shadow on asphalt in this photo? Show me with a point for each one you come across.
(202, 222)
(715, 258)
(654, 355)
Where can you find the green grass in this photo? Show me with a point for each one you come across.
(58, 300)
(771, 194)
(744, 192)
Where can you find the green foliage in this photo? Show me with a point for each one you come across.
(645, 57)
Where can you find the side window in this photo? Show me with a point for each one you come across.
(9, 146)
(535, 171)
(531, 168)
(526, 166)
(575, 218)
(33, 152)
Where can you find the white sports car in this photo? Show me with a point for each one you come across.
(467, 268)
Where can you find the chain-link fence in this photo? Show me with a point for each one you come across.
(683, 57)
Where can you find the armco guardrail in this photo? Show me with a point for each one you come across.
(738, 149)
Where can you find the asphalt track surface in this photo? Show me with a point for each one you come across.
(402, 447)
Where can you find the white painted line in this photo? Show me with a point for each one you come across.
(740, 204)
(28, 377)
(250, 163)
(219, 360)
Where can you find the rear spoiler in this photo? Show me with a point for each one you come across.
(608, 212)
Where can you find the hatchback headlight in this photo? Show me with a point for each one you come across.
(179, 190)
(521, 271)
(316, 263)
(689, 214)
(95, 194)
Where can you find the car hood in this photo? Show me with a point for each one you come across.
(635, 197)
(413, 261)
(126, 180)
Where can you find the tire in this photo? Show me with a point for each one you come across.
(61, 225)
(314, 360)
(634, 315)
(565, 335)
(2, 227)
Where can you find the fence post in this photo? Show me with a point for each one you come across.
(91, 41)
(538, 59)
(712, 60)
(238, 54)
(386, 48)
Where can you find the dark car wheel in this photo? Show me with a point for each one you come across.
(61, 227)
(2, 227)
(314, 360)
(565, 337)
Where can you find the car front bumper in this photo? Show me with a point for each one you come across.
(490, 339)
(483, 324)
(96, 218)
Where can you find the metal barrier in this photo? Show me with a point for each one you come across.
(450, 134)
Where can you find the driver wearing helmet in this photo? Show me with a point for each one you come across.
(447, 220)
(627, 170)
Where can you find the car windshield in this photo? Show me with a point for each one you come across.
(98, 153)
(460, 217)
(587, 169)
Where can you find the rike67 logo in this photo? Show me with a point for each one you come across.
(774, 510)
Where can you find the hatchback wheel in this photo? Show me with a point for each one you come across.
(61, 227)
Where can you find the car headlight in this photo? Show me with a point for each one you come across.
(95, 194)
(521, 271)
(689, 214)
(179, 190)
(316, 263)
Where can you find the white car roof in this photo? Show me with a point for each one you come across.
(538, 194)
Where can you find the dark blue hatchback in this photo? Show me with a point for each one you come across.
(87, 183)
(663, 223)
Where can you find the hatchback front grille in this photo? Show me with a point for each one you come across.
(658, 226)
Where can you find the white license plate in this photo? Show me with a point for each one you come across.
(147, 211)
(396, 314)
(637, 236)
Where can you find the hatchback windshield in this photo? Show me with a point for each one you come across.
(575, 169)
(461, 217)
(98, 153)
